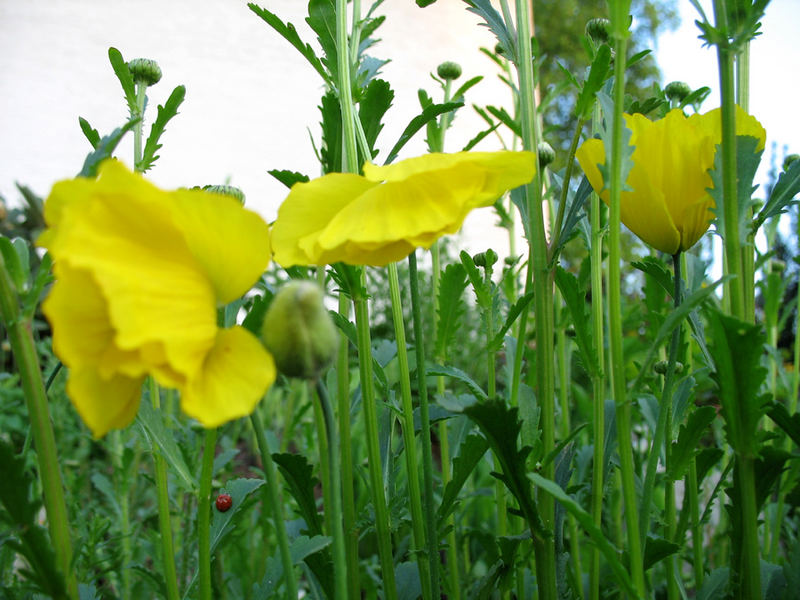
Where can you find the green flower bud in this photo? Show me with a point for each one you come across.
(546, 154)
(226, 190)
(790, 158)
(485, 259)
(677, 90)
(449, 70)
(597, 29)
(778, 265)
(145, 70)
(499, 49)
(661, 367)
(299, 332)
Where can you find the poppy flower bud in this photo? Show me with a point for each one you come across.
(597, 29)
(661, 367)
(677, 91)
(546, 154)
(299, 332)
(145, 70)
(449, 70)
(226, 190)
(485, 259)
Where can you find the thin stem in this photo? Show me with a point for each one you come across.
(204, 515)
(164, 517)
(424, 417)
(350, 154)
(373, 451)
(122, 491)
(562, 202)
(339, 561)
(24, 350)
(141, 96)
(409, 439)
(276, 506)
(617, 370)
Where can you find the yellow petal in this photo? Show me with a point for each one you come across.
(104, 403)
(746, 125)
(230, 243)
(235, 375)
(307, 211)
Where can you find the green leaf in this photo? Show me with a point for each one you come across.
(573, 215)
(575, 299)
(789, 423)
(715, 586)
(737, 348)
(13, 264)
(44, 276)
(459, 375)
(105, 148)
(289, 33)
(297, 472)
(449, 306)
(472, 450)
(657, 549)
(462, 90)
(155, 432)
(331, 151)
(516, 309)
(502, 115)
(495, 23)
(163, 116)
(288, 178)
(782, 195)
(123, 73)
(418, 122)
(406, 575)
(90, 133)
(500, 425)
(482, 288)
(300, 549)
(687, 446)
(598, 74)
(586, 521)
(373, 106)
(322, 20)
(479, 137)
(222, 522)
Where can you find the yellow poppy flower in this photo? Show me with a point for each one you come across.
(668, 205)
(139, 275)
(382, 216)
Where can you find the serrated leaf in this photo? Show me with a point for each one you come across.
(90, 133)
(288, 178)
(331, 150)
(459, 375)
(747, 161)
(418, 122)
(105, 148)
(297, 472)
(322, 20)
(479, 137)
(598, 74)
(782, 195)
(586, 521)
(43, 277)
(155, 431)
(289, 33)
(573, 215)
(687, 445)
(163, 116)
(13, 264)
(500, 425)
(789, 423)
(575, 299)
(300, 549)
(472, 450)
(657, 549)
(373, 106)
(123, 73)
(496, 25)
(737, 347)
(222, 522)
(502, 115)
(482, 288)
(449, 306)
(516, 309)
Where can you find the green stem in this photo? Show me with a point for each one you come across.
(350, 155)
(164, 517)
(692, 496)
(750, 567)
(562, 202)
(339, 560)
(276, 505)
(617, 370)
(373, 451)
(122, 490)
(409, 439)
(424, 417)
(24, 350)
(204, 515)
(141, 96)
(346, 458)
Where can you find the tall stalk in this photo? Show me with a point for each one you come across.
(204, 515)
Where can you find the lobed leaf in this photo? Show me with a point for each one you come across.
(449, 306)
(163, 116)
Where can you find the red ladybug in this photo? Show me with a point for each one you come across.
(224, 502)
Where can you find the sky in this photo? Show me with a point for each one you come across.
(251, 101)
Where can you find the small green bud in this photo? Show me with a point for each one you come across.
(145, 70)
(546, 154)
(790, 158)
(677, 91)
(778, 265)
(226, 190)
(499, 49)
(299, 332)
(449, 70)
(661, 367)
(485, 259)
(598, 29)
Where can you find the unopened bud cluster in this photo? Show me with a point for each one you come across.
(145, 70)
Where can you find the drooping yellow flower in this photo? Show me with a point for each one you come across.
(382, 216)
(139, 275)
(668, 206)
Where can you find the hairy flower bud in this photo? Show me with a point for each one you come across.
(226, 190)
(546, 154)
(485, 259)
(677, 90)
(145, 70)
(299, 332)
(449, 70)
(660, 367)
(597, 29)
